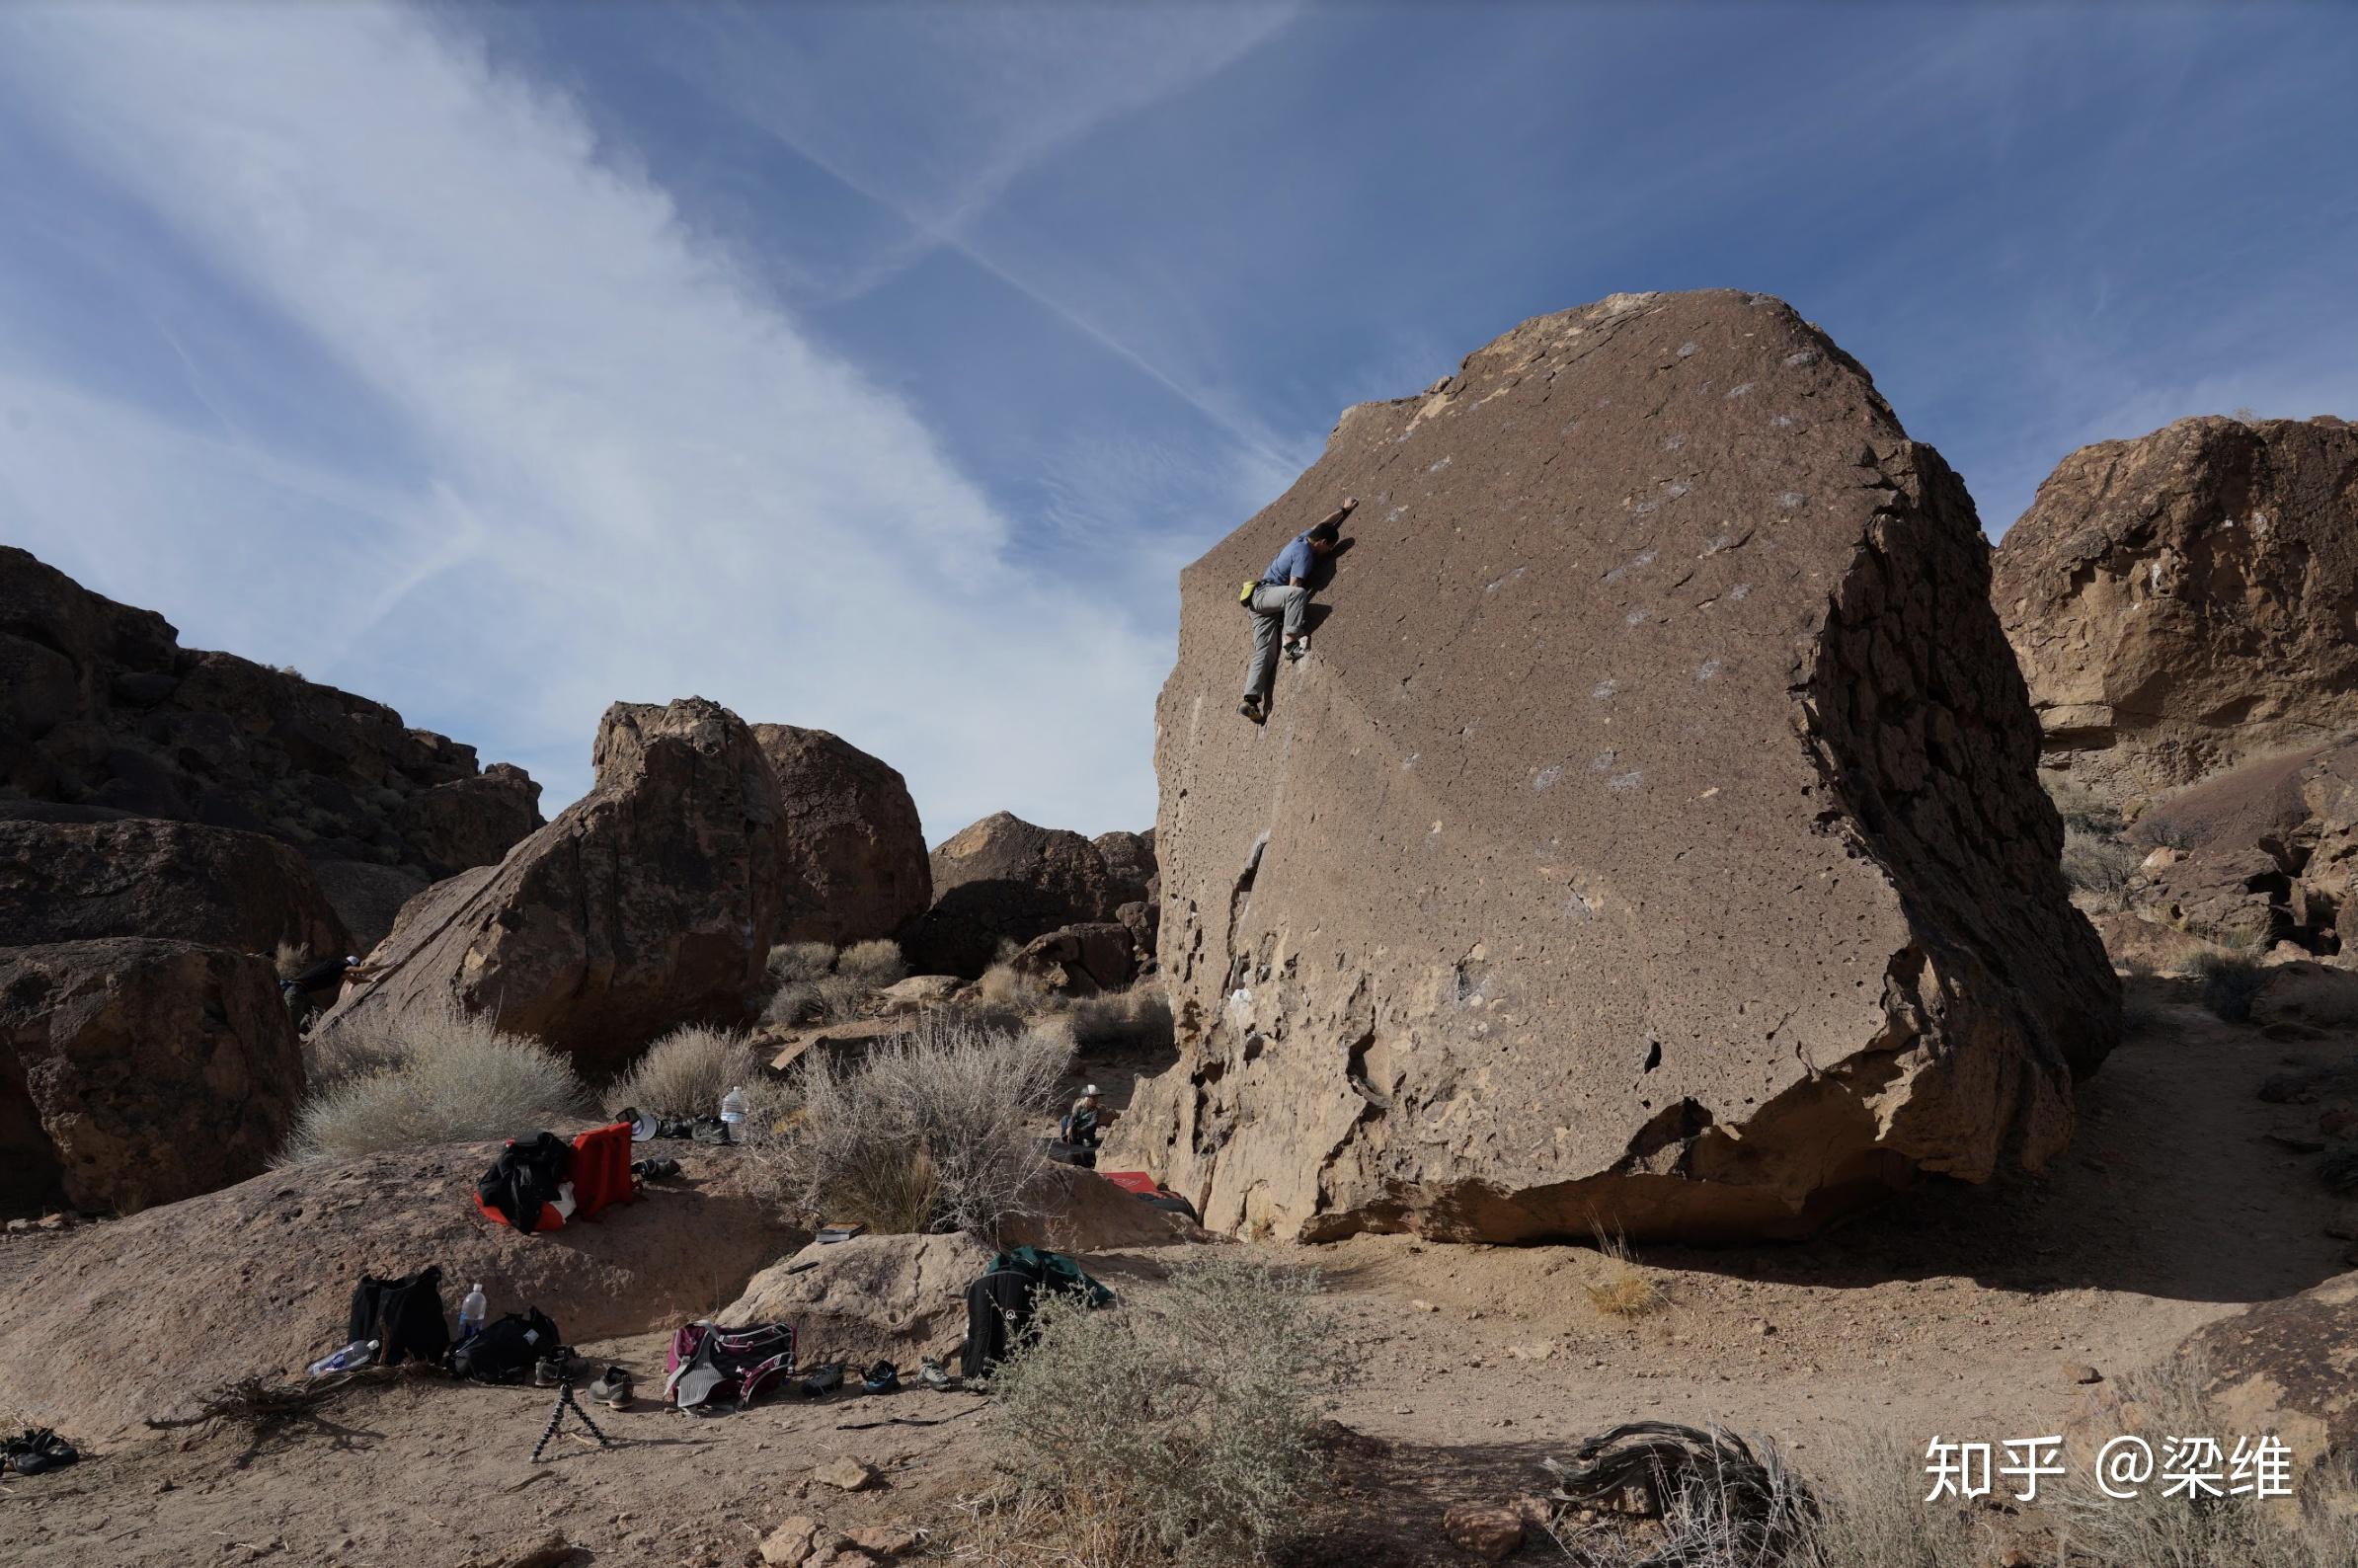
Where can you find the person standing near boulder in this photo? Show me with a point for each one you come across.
(1282, 595)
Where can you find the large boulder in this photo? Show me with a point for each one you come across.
(1081, 960)
(2288, 1367)
(136, 1071)
(853, 851)
(1652, 840)
(101, 706)
(255, 1281)
(873, 1298)
(2181, 602)
(648, 904)
(1002, 880)
(1130, 863)
(2264, 853)
(63, 880)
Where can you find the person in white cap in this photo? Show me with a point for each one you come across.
(1084, 1127)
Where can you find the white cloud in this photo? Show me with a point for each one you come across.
(640, 478)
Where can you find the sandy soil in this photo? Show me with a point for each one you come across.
(1951, 1311)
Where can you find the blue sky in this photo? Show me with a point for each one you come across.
(877, 367)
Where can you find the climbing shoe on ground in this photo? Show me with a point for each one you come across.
(655, 1170)
(38, 1450)
(883, 1379)
(823, 1380)
(553, 1368)
(931, 1375)
(614, 1389)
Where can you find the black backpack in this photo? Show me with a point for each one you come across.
(526, 1176)
(404, 1316)
(998, 1305)
(504, 1350)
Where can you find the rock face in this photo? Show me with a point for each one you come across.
(852, 850)
(68, 880)
(255, 1280)
(1004, 879)
(893, 1298)
(2181, 602)
(101, 706)
(136, 1073)
(650, 902)
(2288, 1367)
(1652, 840)
(1081, 960)
(1130, 861)
(2261, 855)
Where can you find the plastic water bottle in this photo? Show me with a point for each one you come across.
(358, 1354)
(470, 1315)
(733, 1107)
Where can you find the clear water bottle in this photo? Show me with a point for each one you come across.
(470, 1315)
(733, 1107)
(358, 1354)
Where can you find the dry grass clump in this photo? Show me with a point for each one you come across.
(1010, 990)
(874, 964)
(686, 1072)
(290, 959)
(1219, 1380)
(1622, 1288)
(2098, 867)
(403, 1083)
(830, 998)
(2230, 984)
(790, 961)
(1139, 1017)
(932, 1131)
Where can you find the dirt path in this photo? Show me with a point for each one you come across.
(1949, 1312)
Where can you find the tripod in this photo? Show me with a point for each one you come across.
(566, 1402)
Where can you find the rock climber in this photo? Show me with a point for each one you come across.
(1282, 595)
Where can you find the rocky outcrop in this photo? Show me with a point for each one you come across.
(2182, 602)
(136, 1072)
(101, 706)
(2288, 1367)
(255, 1281)
(873, 1298)
(1652, 840)
(1081, 959)
(2261, 855)
(852, 852)
(1004, 879)
(648, 904)
(73, 874)
(1130, 863)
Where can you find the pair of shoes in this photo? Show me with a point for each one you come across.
(36, 1451)
(654, 1170)
(1252, 710)
(557, 1366)
(614, 1389)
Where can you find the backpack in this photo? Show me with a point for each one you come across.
(404, 1316)
(504, 1350)
(709, 1367)
(1000, 1304)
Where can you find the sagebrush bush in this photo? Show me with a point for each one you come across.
(874, 964)
(449, 1078)
(1870, 1513)
(828, 999)
(1139, 1017)
(790, 961)
(1011, 990)
(937, 1129)
(2098, 867)
(2230, 984)
(1212, 1388)
(2081, 807)
(686, 1072)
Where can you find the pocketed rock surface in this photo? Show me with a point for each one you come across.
(648, 904)
(1650, 842)
(2180, 601)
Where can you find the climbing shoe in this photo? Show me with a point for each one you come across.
(1297, 650)
(823, 1380)
(1252, 711)
(38, 1450)
(931, 1375)
(553, 1368)
(883, 1379)
(614, 1389)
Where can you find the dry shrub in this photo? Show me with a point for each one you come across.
(1622, 1288)
(403, 1083)
(830, 998)
(686, 1072)
(2230, 984)
(2098, 867)
(875, 964)
(1138, 1018)
(1010, 990)
(792, 962)
(1218, 1385)
(2080, 808)
(2152, 1531)
(290, 959)
(1871, 1513)
(932, 1131)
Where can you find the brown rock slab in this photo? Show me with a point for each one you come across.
(2179, 601)
(873, 1298)
(1004, 880)
(793, 1543)
(104, 709)
(1080, 1210)
(1489, 1532)
(76, 880)
(256, 1280)
(136, 1071)
(920, 993)
(648, 904)
(847, 1474)
(1653, 837)
(1081, 960)
(2288, 1367)
(884, 1540)
(852, 850)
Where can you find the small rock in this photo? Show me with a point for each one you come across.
(792, 1543)
(1422, 1305)
(2082, 1372)
(57, 1222)
(19, 1226)
(883, 1541)
(1485, 1530)
(1763, 1328)
(548, 1551)
(847, 1473)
